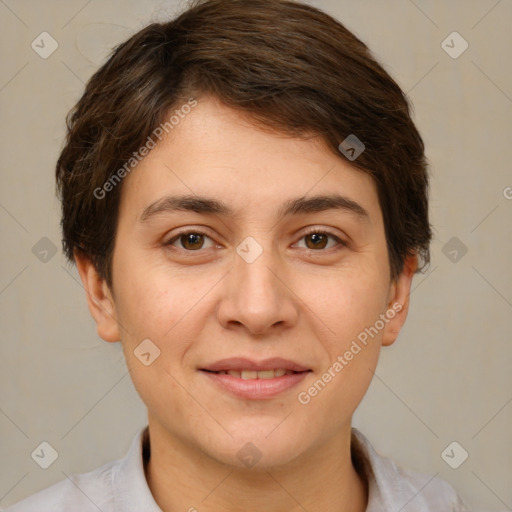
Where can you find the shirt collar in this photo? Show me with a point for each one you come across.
(375, 470)
(131, 490)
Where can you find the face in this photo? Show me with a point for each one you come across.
(281, 253)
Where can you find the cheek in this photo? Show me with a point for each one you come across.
(151, 309)
(348, 305)
(150, 301)
(170, 310)
(347, 302)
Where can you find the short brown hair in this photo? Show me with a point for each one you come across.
(291, 67)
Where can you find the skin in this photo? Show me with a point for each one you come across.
(295, 301)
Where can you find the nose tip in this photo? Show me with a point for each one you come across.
(256, 328)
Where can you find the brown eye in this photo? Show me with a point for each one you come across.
(190, 241)
(318, 240)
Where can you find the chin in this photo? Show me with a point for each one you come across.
(258, 447)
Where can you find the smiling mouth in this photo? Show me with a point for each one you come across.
(255, 384)
(251, 374)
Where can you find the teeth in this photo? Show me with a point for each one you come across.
(266, 374)
(251, 374)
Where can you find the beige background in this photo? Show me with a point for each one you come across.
(448, 378)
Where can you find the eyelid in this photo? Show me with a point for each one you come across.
(319, 229)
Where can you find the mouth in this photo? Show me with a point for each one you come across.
(251, 374)
(249, 380)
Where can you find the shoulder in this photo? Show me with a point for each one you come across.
(86, 492)
(393, 487)
(428, 493)
(117, 485)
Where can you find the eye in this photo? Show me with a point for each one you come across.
(190, 240)
(319, 240)
(193, 241)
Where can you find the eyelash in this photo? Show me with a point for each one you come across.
(310, 231)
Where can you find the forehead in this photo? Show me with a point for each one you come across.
(215, 151)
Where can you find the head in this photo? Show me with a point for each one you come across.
(226, 123)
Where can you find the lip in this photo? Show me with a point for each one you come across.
(255, 389)
(242, 363)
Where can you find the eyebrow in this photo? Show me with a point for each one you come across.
(209, 206)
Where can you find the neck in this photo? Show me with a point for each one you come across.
(183, 478)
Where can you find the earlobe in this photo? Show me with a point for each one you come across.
(398, 305)
(99, 298)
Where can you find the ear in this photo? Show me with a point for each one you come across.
(398, 305)
(99, 298)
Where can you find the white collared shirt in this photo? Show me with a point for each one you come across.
(121, 486)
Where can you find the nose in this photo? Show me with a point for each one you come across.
(257, 297)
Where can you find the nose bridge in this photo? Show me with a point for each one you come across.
(255, 278)
(256, 297)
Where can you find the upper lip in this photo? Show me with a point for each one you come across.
(242, 363)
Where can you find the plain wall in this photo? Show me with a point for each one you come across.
(447, 378)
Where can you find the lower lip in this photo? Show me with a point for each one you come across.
(255, 389)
